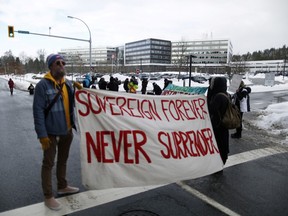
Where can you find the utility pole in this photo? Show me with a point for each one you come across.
(284, 67)
(190, 67)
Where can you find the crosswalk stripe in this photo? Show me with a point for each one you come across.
(253, 155)
(206, 199)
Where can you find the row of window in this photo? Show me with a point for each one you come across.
(148, 52)
(207, 42)
(156, 61)
(147, 47)
(148, 41)
(143, 57)
(200, 47)
(163, 43)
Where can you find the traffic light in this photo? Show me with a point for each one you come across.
(11, 31)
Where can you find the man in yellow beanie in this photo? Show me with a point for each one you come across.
(53, 111)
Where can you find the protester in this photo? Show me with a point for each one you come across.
(156, 89)
(31, 89)
(11, 85)
(102, 84)
(242, 101)
(87, 81)
(53, 126)
(133, 85)
(117, 83)
(144, 85)
(113, 84)
(217, 105)
(125, 85)
(166, 83)
(94, 80)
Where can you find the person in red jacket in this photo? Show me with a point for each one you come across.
(11, 85)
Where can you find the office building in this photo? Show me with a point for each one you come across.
(148, 55)
(209, 55)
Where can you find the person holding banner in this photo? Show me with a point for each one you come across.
(217, 105)
(53, 111)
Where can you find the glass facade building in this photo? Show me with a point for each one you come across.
(148, 52)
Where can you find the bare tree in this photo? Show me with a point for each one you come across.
(179, 53)
(23, 58)
(41, 53)
(238, 67)
(9, 62)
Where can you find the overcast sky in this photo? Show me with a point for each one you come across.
(251, 25)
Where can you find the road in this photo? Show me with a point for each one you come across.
(252, 183)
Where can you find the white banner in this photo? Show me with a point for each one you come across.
(132, 140)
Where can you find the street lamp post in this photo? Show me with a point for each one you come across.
(190, 68)
(90, 40)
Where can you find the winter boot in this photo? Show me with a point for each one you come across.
(236, 136)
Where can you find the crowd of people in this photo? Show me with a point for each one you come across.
(129, 85)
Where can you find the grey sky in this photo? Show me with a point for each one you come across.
(251, 25)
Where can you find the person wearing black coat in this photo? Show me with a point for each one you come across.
(102, 84)
(113, 84)
(125, 85)
(31, 89)
(166, 83)
(156, 89)
(144, 85)
(217, 105)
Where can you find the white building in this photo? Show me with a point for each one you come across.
(267, 66)
(218, 51)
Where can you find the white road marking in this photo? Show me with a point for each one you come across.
(93, 198)
(253, 155)
(79, 202)
(206, 199)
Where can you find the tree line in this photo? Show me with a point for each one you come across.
(22, 64)
(267, 54)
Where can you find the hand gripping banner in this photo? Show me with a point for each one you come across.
(132, 140)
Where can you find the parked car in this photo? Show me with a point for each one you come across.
(155, 77)
(143, 76)
(199, 79)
